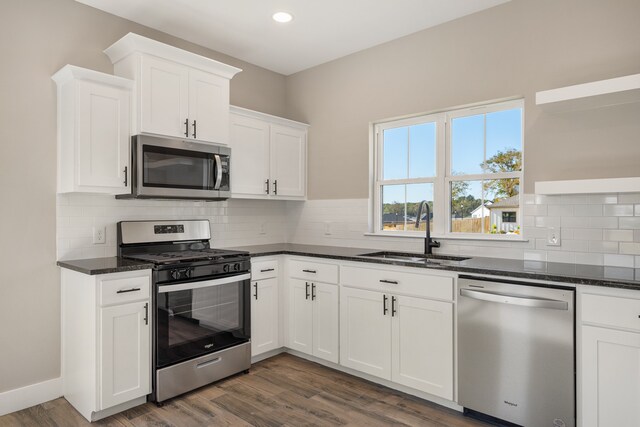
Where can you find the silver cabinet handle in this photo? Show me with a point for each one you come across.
(267, 269)
(515, 299)
(275, 187)
(309, 271)
(146, 314)
(392, 282)
(306, 290)
(267, 189)
(194, 130)
(384, 305)
(218, 172)
(256, 287)
(126, 176)
(186, 128)
(313, 291)
(393, 306)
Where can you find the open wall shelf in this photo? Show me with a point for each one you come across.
(616, 91)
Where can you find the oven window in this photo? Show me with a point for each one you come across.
(172, 168)
(198, 321)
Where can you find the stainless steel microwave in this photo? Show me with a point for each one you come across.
(164, 168)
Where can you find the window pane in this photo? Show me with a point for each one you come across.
(467, 214)
(415, 194)
(505, 207)
(504, 141)
(422, 150)
(467, 145)
(393, 207)
(395, 153)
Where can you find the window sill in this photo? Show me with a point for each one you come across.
(487, 238)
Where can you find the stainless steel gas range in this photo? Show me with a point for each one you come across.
(201, 303)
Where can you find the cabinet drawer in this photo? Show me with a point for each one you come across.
(314, 271)
(264, 269)
(420, 285)
(123, 290)
(611, 311)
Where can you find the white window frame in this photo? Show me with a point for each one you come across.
(442, 180)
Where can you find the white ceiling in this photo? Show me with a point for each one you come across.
(322, 30)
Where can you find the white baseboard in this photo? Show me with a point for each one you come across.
(31, 395)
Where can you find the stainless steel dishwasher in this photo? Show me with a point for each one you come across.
(516, 358)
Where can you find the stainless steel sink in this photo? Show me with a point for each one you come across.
(412, 257)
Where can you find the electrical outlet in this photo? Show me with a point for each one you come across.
(553, 236)
(99, 235)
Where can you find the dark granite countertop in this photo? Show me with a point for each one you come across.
(94, 266)
(578, 274)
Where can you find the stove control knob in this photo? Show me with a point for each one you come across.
(226, 268)
(187, 272)
(236, 267)
(175, 274)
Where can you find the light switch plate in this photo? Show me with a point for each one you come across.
(553, 236)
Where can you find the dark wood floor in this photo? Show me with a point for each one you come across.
(282, 391)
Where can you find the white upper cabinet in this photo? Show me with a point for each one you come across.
(93, 131)
(179, 94)
(269, 156)
(164, 97)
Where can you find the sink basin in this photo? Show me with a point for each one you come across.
(412, 257)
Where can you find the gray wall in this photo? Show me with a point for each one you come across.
(515, 49)
(37, 37)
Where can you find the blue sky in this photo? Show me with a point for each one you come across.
(503, 131)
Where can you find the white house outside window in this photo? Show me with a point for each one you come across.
(467, 163)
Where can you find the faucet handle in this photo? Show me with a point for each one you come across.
(434, 244)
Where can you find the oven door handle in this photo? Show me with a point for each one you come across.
(205, 284)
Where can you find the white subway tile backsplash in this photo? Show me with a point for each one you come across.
(592, 230)
(603, 199)
(618, 235)
(603, 247)
(630, 223)
(630, 248)
(618, 210)
(560, 210)
(619, 260)
(629, 198)
(588, 210)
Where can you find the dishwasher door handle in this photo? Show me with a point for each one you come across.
(515, 299)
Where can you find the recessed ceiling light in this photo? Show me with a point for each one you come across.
(282, 17)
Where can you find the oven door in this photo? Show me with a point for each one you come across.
(179, 169)
(197, 318)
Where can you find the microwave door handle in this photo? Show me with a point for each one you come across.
(218, 172)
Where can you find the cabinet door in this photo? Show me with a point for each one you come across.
(300, 316)
(365, 332)
(208, 107)
(164, 97)
(610, 375)
(250, 159)
(326, 333)
(103, 138)
(422, 349)
(288, 161)
(125, 356)
(264, 316)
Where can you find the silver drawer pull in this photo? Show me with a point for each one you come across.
(208, 363)
(309, 271)
(392, 282)
(267, 269)
(124, 291)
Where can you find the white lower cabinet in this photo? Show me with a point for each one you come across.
(264, 316)
(125, 343)
(313, 319)
(106, 341)
(609, 368)
(404, 339)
